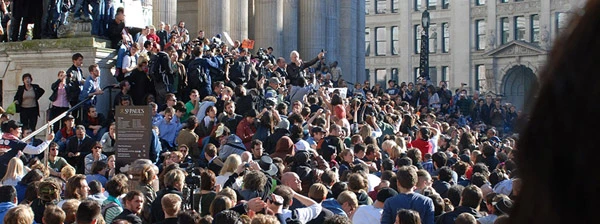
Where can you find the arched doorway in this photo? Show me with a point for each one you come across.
(519, 82)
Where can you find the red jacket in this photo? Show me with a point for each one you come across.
(245, 131)
(423, 146)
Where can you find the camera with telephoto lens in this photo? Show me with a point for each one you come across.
(261, 55)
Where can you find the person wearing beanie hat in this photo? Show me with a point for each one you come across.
(372, 213)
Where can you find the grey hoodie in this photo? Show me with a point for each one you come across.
(234, 145)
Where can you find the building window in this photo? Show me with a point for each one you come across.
(368, 75)
(479, 77)
(417, 31)
(380, 41)
(445, 4)
(504, 30)
(431, 4)
(368, 7)
(395, 40)
(417, 4)
(417, 72)
(446, 37)
(367, 42)
(535, 29)
(445, 74)
(395, 6)
(503, 1)
(433, 74)
(381, 6)
(433, 37)
(561, 22)
(520, 28)
(479, 2)
(380, 76)
(394, 74)
(480, 34)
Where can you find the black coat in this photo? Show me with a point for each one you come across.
(74, 83)
(54, 88)
(294, 72)
(38, 93)
(85, 147)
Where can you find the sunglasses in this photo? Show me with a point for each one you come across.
(98, 147)
(53, 149)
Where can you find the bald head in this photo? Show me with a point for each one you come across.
(292, 180)
(246, 157)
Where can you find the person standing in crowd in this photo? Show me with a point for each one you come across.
(407, 199)
(91, 87)
(295, 69)
(26, 99)
(116, 28)
(59, 98)
(134, 201)
(11, 146)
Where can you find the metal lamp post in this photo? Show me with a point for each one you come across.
(424, 56)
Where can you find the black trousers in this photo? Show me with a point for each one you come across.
(54, 112)
(29, 117)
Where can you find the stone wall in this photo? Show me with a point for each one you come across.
(44, 58)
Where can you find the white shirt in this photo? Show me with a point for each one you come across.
(367, 214)
(305, 214)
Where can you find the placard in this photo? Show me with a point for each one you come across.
(248, 44)
(133, 130)
(343, 91)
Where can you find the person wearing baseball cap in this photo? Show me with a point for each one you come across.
(11, 145)
(272, 91)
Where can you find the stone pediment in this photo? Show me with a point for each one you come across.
(515, 48)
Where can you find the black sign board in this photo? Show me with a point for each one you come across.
(134, 133)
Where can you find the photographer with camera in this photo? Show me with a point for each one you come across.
(199, 70)
(242, 69)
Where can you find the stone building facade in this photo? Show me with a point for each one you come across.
(494, 46)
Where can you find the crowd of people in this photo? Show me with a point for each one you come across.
(252, 138)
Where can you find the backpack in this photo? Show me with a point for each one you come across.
(197, 76)
(105, 207)
(156, 70)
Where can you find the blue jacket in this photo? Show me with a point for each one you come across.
(421, 204)
(205, 64)
(333, 206)
(4, 207)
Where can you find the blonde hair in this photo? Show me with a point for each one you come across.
(395, 152)
(264, 219)
(365, 131)
(387, 145)
(229, 193)
(21, 214)
(231, 163)
(14, 169)
(171, 204)
(67, 172)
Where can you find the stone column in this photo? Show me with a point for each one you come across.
(164, 11)
(238, 28)
(461, 26)
(332, 46)
(213, 17)
(269, 25)
(187, 11)
(360, 46)
(290, 27)
(406, 38)
(349, 38)
(312, 28)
